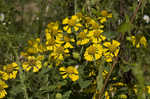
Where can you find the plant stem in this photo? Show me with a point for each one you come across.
(135, 12)
(107, 78)
(21, 75)
(75, 6)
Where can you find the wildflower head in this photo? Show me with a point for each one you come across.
(113, 48)
(32, 63)
(72, 23)
(82, 37)
(104, 13)
(59, 52)
(138, 40)
(93, 52)
(9, 71)
(70, 72)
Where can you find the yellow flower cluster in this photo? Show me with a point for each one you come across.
(34, 47)
(79, 31)
(78, 35)
(138, 41)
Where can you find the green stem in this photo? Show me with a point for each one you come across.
(43, 5)
(81, 52)
(88, 3)
(75, 6)
(21, 75)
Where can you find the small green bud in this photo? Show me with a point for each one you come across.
(128, 38)
(58, 96)
(76, 55)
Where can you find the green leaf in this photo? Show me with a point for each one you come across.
(84, 84)
(126, 26)
(66, 95)
(100, 77)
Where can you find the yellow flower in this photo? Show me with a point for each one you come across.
(96, 36)
(113, 48)
(71, 23)
(138, 42)
(91, 24)
(23, 54)
(108, 56)
(104, 74)
(123, 96)
(82, 38)
(104, 13)
(106, 95)
(119, 84)
(102, 19)
(148, 89)
(59, 52)
(135, 89)
(50, 41)
(33, 63)
(53, 29)
(9, 71)
(3, 85)
(133, 40)
(92, 73)
(35, 46)
(143, 41)
(66, 41)
(70, 72)
(104, 16)
(93, 52)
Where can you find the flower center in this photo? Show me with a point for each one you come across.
(112, 48)
(97, 33)
(9, 69)
(66, 39)
(72, 22)
(32, 62)
(82, 35)
(92, 50)
(60, 50)
(70, 70)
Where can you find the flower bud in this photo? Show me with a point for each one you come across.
(76, 55)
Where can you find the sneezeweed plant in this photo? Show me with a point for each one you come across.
(77, 54)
